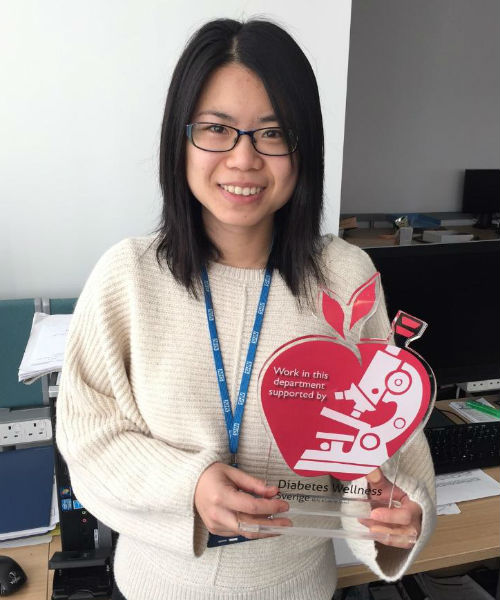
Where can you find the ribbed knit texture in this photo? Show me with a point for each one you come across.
(139, 420)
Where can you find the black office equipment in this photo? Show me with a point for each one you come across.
(482, 194)
(462, 446)
(83, 568)
(12, 577)
(454, 288)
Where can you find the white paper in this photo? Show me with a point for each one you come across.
(465, 485)
(471, 414)
(45, 348)
(25, 533)
(54, 508)
(33, 540)
(448, 509)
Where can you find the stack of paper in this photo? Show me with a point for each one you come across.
(473, 415)
(45, 349)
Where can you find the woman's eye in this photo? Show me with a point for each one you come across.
(219, 129)
(273, 134)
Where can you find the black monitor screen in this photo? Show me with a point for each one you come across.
(455, 288)
(481, 191)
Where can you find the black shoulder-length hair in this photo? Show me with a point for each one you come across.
(273, 55)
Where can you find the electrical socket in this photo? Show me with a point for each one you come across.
(25, 432)
(480, 386)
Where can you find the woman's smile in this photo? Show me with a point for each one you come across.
(242, 193)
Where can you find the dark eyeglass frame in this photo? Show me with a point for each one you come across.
(239, 133)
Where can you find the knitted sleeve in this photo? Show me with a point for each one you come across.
(130, 481)
(415, 472)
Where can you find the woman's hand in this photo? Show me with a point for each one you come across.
(406, 520)
(224, 496)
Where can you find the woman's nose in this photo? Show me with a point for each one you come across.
(244, 156)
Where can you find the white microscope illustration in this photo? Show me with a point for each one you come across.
(386, 379)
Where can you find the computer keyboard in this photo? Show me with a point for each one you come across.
(460, 447)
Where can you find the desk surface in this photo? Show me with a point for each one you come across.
(369, 238)
(467, 537)
(459, 539)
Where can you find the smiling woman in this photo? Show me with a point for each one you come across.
(153, 393)
(239, 188)
(252, 123)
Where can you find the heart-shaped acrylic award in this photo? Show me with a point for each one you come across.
(336, 409)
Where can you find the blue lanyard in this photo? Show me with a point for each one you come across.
(233, 424)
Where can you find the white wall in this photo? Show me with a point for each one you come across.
(423, 102)
(83, 86)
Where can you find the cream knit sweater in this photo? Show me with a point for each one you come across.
(139, 419)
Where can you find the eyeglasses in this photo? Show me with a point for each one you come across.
(214, 137)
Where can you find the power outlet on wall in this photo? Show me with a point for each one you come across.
(25, 426)
(25, 432)
(480, 386)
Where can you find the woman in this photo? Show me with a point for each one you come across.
(140, 423)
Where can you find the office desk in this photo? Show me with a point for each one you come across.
(369, 238)
(458, 539)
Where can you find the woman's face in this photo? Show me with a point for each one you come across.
(234, 95)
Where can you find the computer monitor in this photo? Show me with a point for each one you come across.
(455, 288)
(482, 194)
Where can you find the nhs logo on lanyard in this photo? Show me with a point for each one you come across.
(233, 423)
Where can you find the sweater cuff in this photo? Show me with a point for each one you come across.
(387, 562)
(199, 532)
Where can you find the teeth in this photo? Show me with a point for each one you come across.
(239, 191)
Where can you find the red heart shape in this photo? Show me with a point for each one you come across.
(334, 412)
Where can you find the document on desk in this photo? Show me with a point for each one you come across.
(471, 415)
(465, 485)
(448, 509)
(45, 348)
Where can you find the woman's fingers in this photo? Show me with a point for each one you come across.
(223, 492)
(395, 516)
(261, 520)
(392, 535)
(240, 501)
(385, 490)
(402, 523)
(376, 476)
(253, 485)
